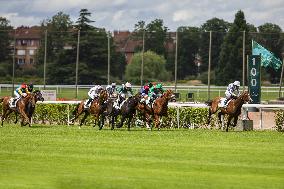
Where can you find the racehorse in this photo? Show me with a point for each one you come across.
(158, 109)
(160, 106)
(111, 112)
(25, 106)
(233, 108)
(128, 109)
(96, 109)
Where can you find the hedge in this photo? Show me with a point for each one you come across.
(189, 117)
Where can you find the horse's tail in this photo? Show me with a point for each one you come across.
(208, 102)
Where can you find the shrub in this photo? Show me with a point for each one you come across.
(279, 120)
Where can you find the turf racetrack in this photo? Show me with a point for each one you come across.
(72, 158)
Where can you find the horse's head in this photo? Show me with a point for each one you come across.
(245, 96)
(30, 99)
(38, 96)
(138, 96)
(169, 95)
(134, 100)
(103, 96)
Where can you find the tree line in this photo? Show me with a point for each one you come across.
(159, 58)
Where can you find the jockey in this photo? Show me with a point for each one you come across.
(232, 92)
(155, 91)
(111, 89)
(93, 93)
(145, 91)
(22, 90)
(124, 92)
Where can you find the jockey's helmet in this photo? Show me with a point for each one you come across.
(159, 86)
(237, 83)
(113, 85)
(30, 87)
(23, 85)
(99, 87)
(127, 85)
(150, 85)
(146, 87)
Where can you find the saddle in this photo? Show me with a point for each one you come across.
(85, 104)
(222, 101)
(13, 104)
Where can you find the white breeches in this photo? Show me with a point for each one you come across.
(17, 94)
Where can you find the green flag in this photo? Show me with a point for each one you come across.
(267, 57)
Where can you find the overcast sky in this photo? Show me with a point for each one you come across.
(124, 14)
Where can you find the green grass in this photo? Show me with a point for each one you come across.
(68, 157)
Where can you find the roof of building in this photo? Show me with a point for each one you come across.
(24, 32)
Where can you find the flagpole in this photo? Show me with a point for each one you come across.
(281, 77)
(244, 57)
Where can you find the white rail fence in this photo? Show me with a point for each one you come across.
(260, 107)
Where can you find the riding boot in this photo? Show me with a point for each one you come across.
(89, 101)
(225, 103)
(14, 101)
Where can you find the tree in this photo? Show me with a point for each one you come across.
(5, 28)
(154, 68)
(188, 45)
(219, 27)
(94, 52)
(83, 22)
(5, 65)
(230, 63)
(59, 34)
(155, 37)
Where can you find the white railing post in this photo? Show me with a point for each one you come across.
(68, 116)
(260, 121)
(178, 116)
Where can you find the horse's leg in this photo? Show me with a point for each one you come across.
(129, 121)
(5, 115)
(112, 122)
(78, 112)
(16, 114)
(121, 122)
(25, 117)
(235, 121)
(220, 117)
(157, 121)
(147, 121)
(101, 123)
(209, 116)
(22, 121)
(83, 119)
(97, 121)
(228, 124)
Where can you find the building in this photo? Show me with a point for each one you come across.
(128, 43)
(27, 44)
